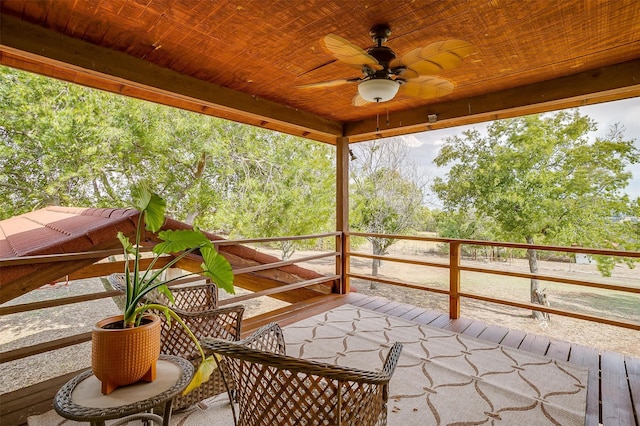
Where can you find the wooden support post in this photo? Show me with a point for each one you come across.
(454, 280)
(342, 211)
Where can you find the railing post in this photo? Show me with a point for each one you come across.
(454, 280)
(345, 261)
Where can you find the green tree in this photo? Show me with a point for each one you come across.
(63, 144)
(427, 219)
(282, 185)
(52, 135)
(541, 180)
(386, 193)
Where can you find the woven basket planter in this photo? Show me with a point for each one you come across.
(120, 357)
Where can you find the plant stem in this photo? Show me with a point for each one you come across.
(175, 316)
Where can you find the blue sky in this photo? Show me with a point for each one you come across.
(425, 146)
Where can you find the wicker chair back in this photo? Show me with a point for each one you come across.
(275, 389)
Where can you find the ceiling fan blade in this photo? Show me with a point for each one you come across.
(407, 60)
(347, 52)
(408, 73)
(359, 101)
(332, 83)
(427, 87)
(436, 57)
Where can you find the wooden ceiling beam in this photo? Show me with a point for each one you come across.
(606, 84)
(32, 48)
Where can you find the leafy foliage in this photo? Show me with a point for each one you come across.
(63, 144)
(542, 180)
(281, 186)
(139, 284)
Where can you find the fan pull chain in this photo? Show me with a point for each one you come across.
(377, 122)
(387, 117)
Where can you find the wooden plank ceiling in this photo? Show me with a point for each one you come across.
(244, 60)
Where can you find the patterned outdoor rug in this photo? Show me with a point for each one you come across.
(442, 378)
(445, 378)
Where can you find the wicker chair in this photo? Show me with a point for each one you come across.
(275, 389)
(197, 306)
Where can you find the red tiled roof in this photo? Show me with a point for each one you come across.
(56, 230)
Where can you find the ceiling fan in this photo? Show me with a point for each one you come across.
(385, 74)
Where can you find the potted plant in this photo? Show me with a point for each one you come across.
(141, 329)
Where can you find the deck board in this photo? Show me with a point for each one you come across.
(617, 408)
(535, 344)
(441, 321)
(400, 309)
(589, 358)
(389, 307)
(427, 317)
(458, 325)
(375, 304)
(475, 329)
(559, 350)
(633, 372)
(514, 338)
(494, 333)
(411, 313)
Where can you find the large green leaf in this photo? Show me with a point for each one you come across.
(152, 205)
(154, 213)
(126, 244)
(216, 267)
(175, 241)
(141, 197)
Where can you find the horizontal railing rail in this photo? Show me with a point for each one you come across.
(455, 267)
(101, 269)
(572, 249)
(282, 263)
(274, 239)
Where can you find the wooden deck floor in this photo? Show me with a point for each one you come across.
(613, 393)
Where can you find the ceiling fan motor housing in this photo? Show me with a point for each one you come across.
(383, 54)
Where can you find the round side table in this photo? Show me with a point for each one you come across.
(81, 399)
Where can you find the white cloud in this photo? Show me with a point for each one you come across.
(411, 141)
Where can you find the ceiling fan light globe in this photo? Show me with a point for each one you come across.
(378, 90)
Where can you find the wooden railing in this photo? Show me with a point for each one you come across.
(453, 262)
(455, 267)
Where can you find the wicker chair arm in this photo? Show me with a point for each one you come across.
(239, 350)
(390, 365)
(392, 358)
